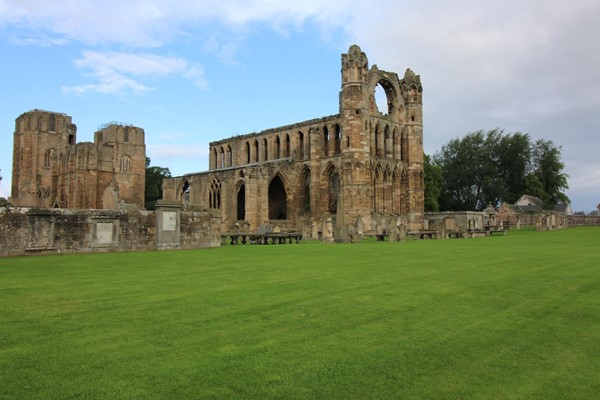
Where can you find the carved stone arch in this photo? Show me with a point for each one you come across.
(337, 139)
(255, 151)
(330, 184)
(240, 196)
(304, 189)
(396, 143)
(326, 140)
(277, 147)
(287, 145)
(388, 148)
(214, 194)
(301, 144)
(248, 153)
(377, 142)
(278, 193)
(391, 88)
(229, 158)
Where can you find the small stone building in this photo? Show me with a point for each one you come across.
(52, 170)
(359, 167)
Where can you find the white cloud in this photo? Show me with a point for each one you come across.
(119, 73)
(149, 23)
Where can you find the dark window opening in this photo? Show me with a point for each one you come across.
(52, 123)
(287, 145)
(338, 139)
(333, 191)
(301, 146)
(185, 192)
(306, 191)
(126, 135)
(277, 148)
(241, 203)
(277, 199)
(247, 153)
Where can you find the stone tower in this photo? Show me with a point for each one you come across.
(382, 153)
(51, 170)
(39, 139)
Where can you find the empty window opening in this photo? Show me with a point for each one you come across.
(277, 148)
(247, 153)
(185, 192)
(277, 199)
(325, 142)
(305, 197)
(52, 123)
(266, 149)
(241, 203)
(333, 191)
(338, 139)
(301, 145)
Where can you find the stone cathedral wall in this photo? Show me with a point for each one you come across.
(52, 231)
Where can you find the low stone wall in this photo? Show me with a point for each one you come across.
(47, 231)
(584, 220)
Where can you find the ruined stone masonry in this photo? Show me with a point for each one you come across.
(362, 166)
(51, 170)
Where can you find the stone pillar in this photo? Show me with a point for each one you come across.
(168, 226)
(341, 232)
(328, 230)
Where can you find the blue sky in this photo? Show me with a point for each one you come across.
(190, 72)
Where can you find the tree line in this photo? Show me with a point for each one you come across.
(484, 168)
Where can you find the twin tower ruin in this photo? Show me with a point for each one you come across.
(362, 167)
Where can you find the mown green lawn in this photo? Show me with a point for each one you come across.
(515, 317)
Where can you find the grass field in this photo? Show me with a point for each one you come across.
(515, 317)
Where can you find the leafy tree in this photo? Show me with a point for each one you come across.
(491, 167)
(154, 177)
(470, 173)
(514, 157)
(433, 177)
(548, 170)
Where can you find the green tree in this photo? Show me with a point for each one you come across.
(491, 167)
(470, 172)
(514, 158)
(154, 178)
(433, 178)
(548, 171)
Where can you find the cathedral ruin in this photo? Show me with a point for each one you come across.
(361, 169)
(52, 170)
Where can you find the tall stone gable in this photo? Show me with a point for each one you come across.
(293, 176)
(50, 169)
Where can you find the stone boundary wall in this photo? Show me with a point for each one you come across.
(50, 231)
(584, 220)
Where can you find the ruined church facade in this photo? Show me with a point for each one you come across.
(51, 170)
(361, 166)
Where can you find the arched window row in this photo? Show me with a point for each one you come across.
(388, 142)
(214, 194)
(278, 146)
